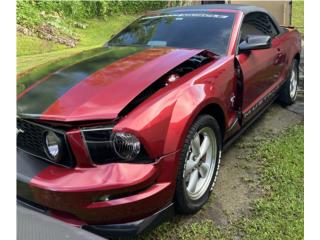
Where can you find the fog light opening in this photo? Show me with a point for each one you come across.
(52, 146)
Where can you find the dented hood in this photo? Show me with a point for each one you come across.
(95, 85)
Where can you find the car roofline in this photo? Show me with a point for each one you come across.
(245, 9)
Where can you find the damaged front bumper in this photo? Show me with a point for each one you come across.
(109, 200)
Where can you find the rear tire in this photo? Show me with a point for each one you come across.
(288, 93)
(197, 171)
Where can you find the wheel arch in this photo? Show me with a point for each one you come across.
(215, 110)
(297, 57)
(211, 107)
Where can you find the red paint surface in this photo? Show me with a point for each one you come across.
(76, 191)
(106, 92)
(79, 149)
(108, 177)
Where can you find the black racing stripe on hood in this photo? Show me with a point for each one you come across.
(29, 77)
(39, 98)
(27, 168)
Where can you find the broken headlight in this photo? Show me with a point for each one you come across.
(106, 146)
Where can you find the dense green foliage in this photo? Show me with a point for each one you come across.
(30, 13)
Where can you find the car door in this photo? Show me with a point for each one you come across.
(260, 68)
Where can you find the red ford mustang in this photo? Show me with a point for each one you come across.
(112, 139)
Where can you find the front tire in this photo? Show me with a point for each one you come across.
(199, 164)
(288, 93)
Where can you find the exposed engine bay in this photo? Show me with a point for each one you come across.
(179, 71)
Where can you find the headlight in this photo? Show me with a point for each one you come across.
(52, 146)
(126, 145)
(106, 146)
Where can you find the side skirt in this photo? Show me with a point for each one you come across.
(232, 139)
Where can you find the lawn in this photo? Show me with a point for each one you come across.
(279, 214)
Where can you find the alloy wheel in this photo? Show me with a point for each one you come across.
(293, 84)
(200, 163)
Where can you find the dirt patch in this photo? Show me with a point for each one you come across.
(49, 33)
(238, 181)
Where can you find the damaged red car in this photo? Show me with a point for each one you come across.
(115, 139)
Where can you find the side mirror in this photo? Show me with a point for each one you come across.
(255, 42)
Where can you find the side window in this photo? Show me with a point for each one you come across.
(257, 24)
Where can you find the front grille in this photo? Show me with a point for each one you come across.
(30, 138)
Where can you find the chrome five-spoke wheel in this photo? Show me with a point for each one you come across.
(200, 163)
(293, 83)
(288, 92)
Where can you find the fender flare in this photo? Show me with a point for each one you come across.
(183, 117)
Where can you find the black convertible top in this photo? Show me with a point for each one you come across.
(246, 9)
(243, 8)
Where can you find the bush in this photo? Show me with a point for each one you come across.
(27, 14)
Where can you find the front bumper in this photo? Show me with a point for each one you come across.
(135, 191)
(132, 228)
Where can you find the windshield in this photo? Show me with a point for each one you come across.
(210, 30)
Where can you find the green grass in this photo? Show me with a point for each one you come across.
(32, 51)
(277, 215)
(298, 15)
(30, 45)
(30, 61)
(174, 230)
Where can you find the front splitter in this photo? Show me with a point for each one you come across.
(132, 228)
